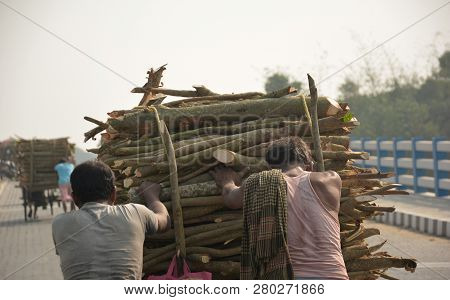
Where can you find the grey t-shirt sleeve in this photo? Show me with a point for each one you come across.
(54, 243)
(148, 218)
(54, 227)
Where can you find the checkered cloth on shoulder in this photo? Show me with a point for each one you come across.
(264, 252)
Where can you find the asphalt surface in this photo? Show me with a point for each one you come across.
(26, 248)
(418, 205)
(432, 253)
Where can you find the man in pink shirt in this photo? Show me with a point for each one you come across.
(313, 231)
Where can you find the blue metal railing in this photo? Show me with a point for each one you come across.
(420, 164)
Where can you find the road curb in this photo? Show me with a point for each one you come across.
(422, 224)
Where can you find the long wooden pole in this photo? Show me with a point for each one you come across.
(315, 125)
(175, 193)
(307, 114)
(177, 213)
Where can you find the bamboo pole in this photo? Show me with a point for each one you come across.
(177, 212)
(315, 125)
(307, 115)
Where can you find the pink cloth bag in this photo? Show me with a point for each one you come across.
(172, 273)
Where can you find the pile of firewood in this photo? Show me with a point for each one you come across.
(208, 129)
(36, 159)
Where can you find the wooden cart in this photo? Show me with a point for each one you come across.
(35, 160)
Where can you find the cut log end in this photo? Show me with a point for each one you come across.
(203, 258)
(128, 182)
(365, 155)
(128, 171)
(224, 156)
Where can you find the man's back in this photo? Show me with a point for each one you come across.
(101, 241)
(313, 231)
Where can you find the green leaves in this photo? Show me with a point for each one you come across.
(348, 117)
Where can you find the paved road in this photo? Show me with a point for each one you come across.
(26, 247)
(419, 205)
(432, 253)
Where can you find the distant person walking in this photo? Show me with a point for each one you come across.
(64, 169)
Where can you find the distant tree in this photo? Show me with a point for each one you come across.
(403, 108)
(435, 94)
(276, 81)
(349, 89)
(297, 84)
(280, 80)
(391, 114)
(444, 65)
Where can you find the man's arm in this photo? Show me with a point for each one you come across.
(150, 192)
(327, 186)
(226, 178)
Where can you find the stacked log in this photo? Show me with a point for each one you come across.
(208, 129)
(36, 159)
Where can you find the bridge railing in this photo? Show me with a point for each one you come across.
(422, 165)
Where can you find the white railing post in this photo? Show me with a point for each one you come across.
(438, 174)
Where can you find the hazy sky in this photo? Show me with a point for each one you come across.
(46, 87)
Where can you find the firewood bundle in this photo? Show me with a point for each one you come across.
(36, 159)
(208, 129)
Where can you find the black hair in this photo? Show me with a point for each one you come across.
(62, 160)
(288, 150)
(92, 181)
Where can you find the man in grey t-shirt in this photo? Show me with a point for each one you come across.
(102, 240)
